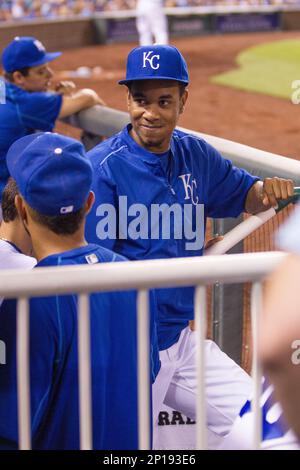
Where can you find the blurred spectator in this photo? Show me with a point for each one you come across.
(17, 9)
(28, 9)
(280, 335)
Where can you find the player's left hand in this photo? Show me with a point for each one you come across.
(275, 189)
(213, 241)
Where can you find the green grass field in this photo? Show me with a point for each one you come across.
(269, 68)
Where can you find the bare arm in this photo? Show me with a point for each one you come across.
(279, 344)
(78, 101)
(265, 194)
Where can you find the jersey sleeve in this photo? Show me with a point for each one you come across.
(43, 352)
(228, 186)
(102, 221)
(39, 111)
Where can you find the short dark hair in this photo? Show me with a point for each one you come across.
(9, 75)
(182, 87)
(66, 224)
(9, 211)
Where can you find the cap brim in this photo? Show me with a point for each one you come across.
(139, 79)
(48, 57)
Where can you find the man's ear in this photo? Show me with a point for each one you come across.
(20, 206)
(22, 212)
(89, 202)
(128, 98)
(18, 78)
(183, 100)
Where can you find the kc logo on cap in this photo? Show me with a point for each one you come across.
(148, 58)
(39, 45)
(156, 62)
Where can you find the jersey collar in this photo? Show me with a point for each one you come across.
(139, 151)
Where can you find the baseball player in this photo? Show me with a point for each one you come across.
(280, 325)
(276, 435)
(29, 105)
(157, 177)
(15, 243)
(151, 22)
(47, 167)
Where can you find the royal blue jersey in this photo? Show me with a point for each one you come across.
(54, 365)
(23, 113)
(194, 176)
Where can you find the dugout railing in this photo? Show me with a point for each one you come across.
(141, 276)
(227, 301)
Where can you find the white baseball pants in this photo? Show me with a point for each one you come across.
(227, 386)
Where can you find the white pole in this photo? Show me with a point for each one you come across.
(200, 324)
(84, 357)
(240, 232)
(143, 369)
(256, 296)
(23, 378)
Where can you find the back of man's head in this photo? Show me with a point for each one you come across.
(54, 177)
(9, 211)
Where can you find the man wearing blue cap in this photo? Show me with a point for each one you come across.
(159, 177)
(29, 105)
(54, 177)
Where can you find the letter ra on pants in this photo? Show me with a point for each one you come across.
(175, 418)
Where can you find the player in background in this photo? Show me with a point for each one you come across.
(151, 22)
(279, 348)
(15, 243)
(280, 326)
(30, 105)
(47, 167)
(276, 434)
(161, 170)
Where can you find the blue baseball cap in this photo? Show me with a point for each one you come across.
(25, 51)
(52, 172)
(157, 62)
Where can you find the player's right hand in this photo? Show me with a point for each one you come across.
(65, 87)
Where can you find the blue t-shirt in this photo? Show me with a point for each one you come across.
(54, 365)
(24, 113)
(193, 176)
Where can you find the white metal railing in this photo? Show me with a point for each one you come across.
(102, 120)
(139, 275)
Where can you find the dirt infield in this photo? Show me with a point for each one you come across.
(260, 121)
